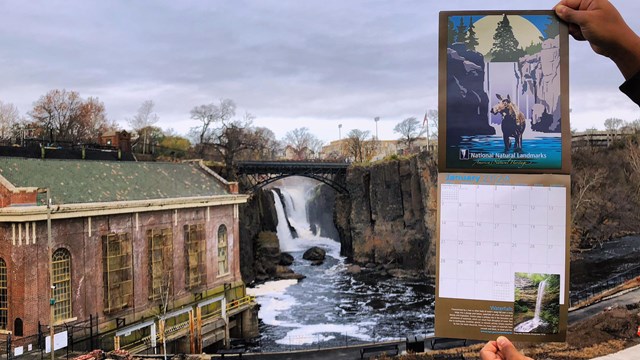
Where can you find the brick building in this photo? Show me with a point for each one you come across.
(143, 248)
(118, 139)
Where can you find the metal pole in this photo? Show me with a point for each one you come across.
(52, 289)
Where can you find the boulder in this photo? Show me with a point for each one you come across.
(315, 253)
(354, 269)
(286, 259)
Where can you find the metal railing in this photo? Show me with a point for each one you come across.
(603, 286)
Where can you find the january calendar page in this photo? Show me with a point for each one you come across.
(502, 252)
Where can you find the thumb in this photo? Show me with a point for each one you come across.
(569, 15)
(508, 350)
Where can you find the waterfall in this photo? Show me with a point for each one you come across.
(291, 209)
(541, 287)
(295, 199)
(531, 325)
(284, 234)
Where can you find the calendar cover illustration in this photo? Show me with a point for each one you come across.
(503, 90)
(503, 255)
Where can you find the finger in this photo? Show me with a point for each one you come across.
(575, 31)
(488, 352)
(570, 15)
(574, 4)
(508, 350)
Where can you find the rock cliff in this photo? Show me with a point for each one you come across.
(389, 215)
(257, 215)
(540, 80)
(467, 102)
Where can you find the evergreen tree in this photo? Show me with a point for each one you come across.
(505, 46)
(461, 32)
(472, 39)
(451, 32)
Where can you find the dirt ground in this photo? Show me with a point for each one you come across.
(603, 334)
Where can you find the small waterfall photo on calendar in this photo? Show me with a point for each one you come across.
(536, 307)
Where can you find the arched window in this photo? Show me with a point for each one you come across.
(61, 262)
(17, 327)
(4, 303)
(223, 257)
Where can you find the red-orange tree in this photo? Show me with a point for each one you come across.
(65, 116)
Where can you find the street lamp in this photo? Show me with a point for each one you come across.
(52, 286)
(376, 119)
(339, 131)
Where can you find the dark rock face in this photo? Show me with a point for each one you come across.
(392, 213)
(286, 259)
(314, 254)
(467, 102)
(260, 257)
(319, 208)
(257, 215)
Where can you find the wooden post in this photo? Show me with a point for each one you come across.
(116, 343)
(199, 330)
(192, 342)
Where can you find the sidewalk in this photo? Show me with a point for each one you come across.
(632, 353)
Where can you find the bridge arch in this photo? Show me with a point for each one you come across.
(261, 173)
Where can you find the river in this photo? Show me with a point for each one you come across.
(331, 306)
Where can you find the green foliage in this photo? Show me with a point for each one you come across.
(533, 48)
(451, 32)
(461, 32)
(505, 46)
(520, 308)
(472, 39)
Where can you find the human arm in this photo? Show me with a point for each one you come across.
(600, 23)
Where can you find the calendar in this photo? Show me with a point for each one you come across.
(498, 236)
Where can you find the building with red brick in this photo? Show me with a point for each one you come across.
(144, 251)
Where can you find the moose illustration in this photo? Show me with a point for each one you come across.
(513, 122)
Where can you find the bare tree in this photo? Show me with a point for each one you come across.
(360, 145)
(303, 143)
(409, 130)
(209, 114)
(585, 185)
(142, 121)
(612, 125)
(9, 117)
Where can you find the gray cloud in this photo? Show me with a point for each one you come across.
(286, 60)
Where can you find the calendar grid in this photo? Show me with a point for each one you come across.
(490, 232)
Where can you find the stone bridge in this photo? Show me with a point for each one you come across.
(257, 174)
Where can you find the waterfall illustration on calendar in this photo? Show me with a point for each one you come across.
(537, 303)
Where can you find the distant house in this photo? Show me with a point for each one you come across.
(118, 139)
(135, 248)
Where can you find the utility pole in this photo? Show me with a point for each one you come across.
(52, 299)
(376, 119)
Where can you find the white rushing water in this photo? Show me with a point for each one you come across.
(530, 325)
(332, 307)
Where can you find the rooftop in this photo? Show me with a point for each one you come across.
(80, 181)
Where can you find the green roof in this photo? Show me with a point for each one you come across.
(85, 181)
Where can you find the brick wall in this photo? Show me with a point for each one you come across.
(28, 274)
(8, 198)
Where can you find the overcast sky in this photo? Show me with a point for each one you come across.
(291, 63)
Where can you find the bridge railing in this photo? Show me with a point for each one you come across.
(603, 286)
